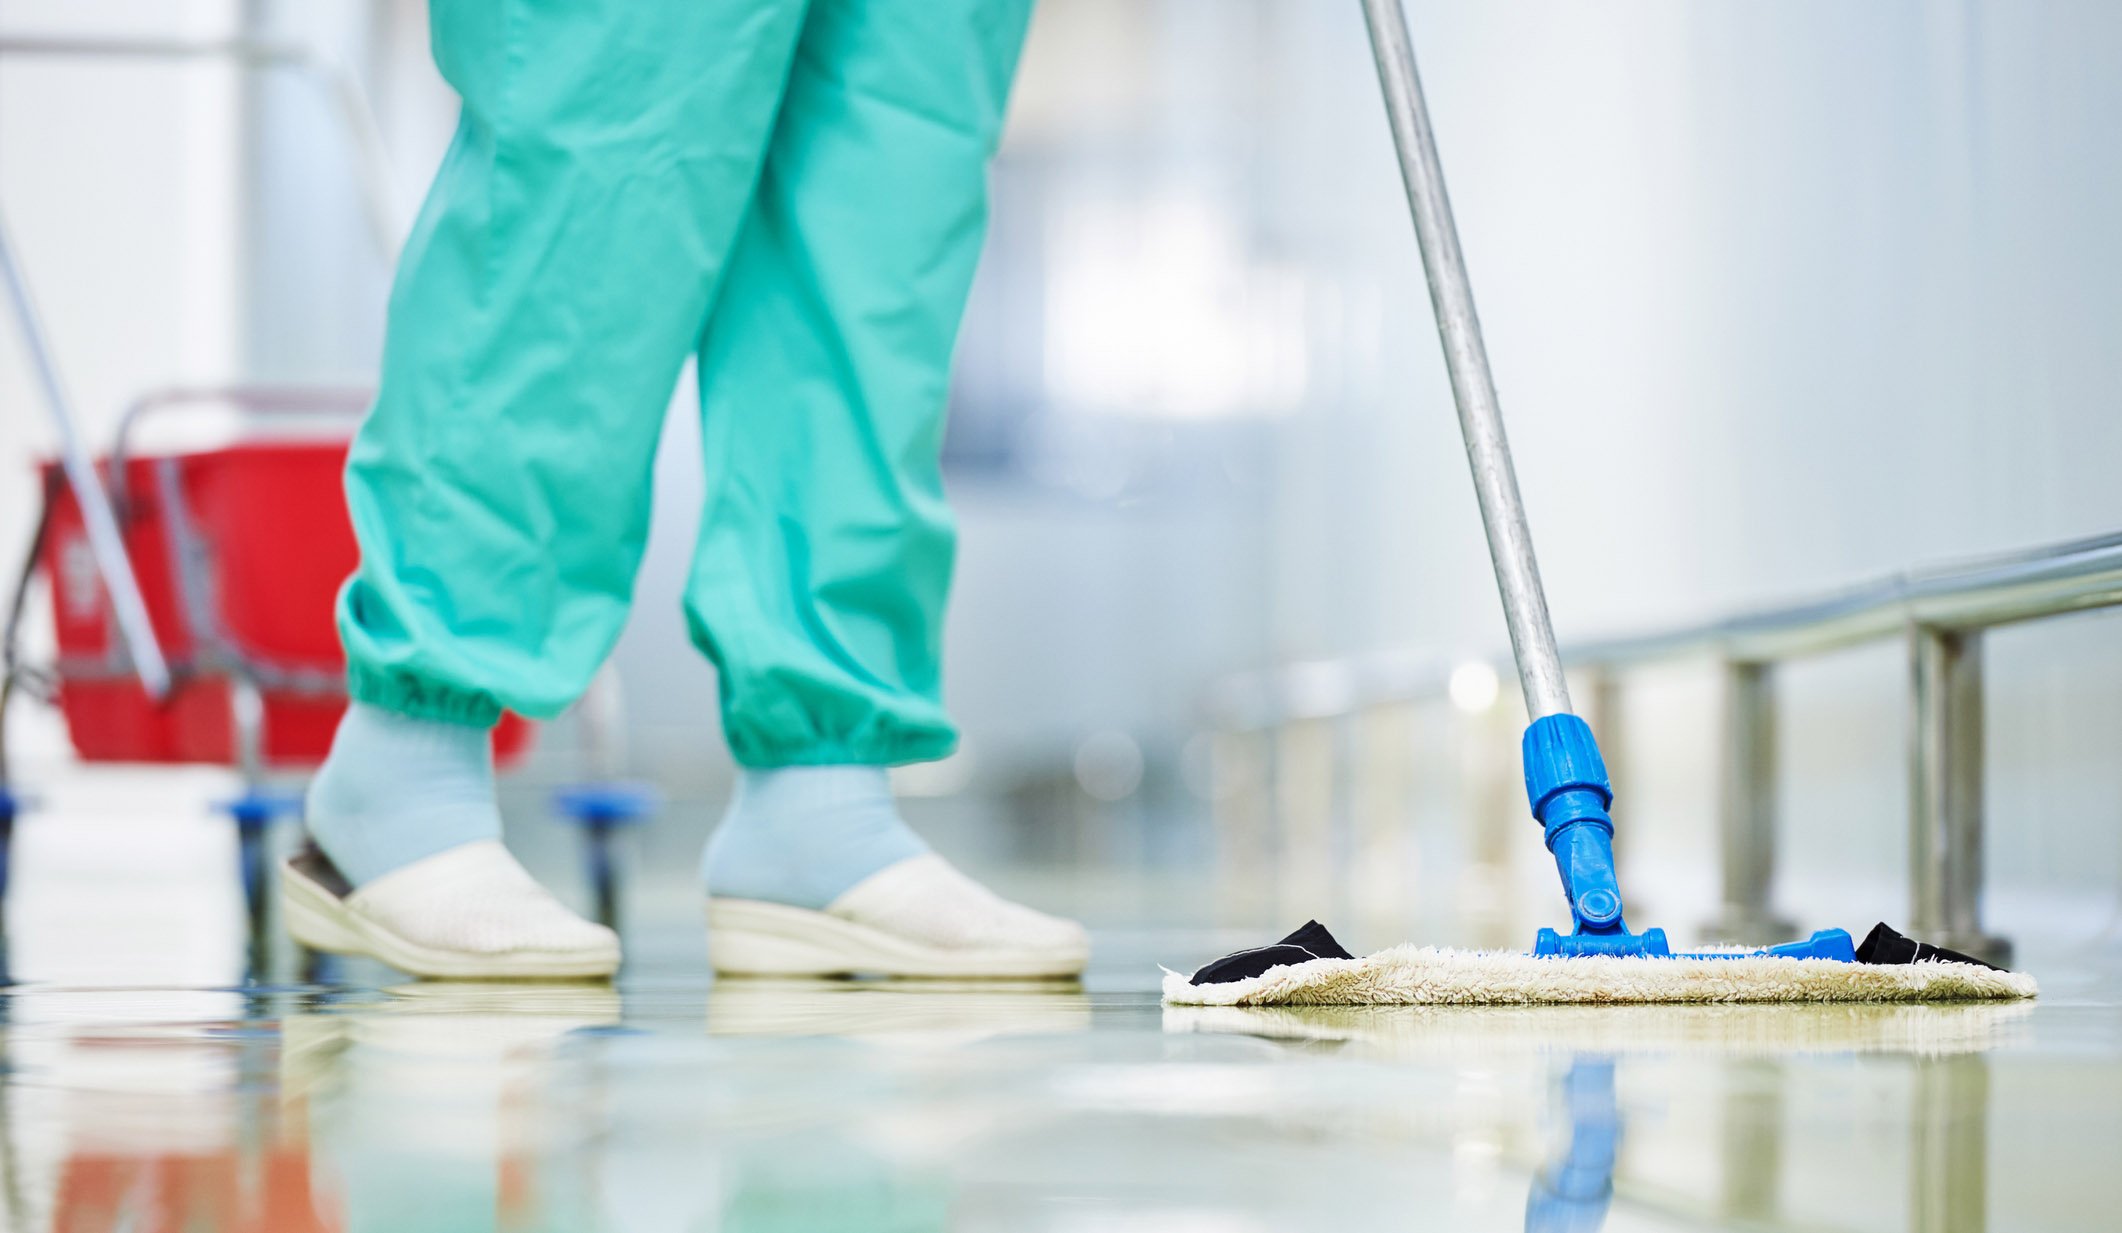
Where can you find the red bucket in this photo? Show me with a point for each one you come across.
(241, 548)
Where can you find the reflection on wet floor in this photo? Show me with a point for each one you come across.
(755, 1106)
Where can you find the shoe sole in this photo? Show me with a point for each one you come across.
(321, 920)
(747, 937)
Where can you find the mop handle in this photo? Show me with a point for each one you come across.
(1510, 542)
(105, 543)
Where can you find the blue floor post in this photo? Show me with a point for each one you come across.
(254, 814)
(10, 804)
(601, 811)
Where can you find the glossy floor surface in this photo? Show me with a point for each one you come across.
(672, 1103)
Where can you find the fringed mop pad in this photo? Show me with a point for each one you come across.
(1429, 976)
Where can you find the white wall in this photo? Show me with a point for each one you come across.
(1777, 296)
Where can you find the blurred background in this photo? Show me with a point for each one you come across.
(1780, 298)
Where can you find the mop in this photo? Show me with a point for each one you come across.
(1601, 960)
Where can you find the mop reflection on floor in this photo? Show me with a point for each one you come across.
(1760, 1052)
(1571, 1193)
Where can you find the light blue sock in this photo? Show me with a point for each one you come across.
(397, 789)
(802, 835)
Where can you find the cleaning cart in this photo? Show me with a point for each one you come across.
(191, 596)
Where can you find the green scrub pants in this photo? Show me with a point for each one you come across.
(792, 190)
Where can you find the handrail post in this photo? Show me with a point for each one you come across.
(1307, 784)
(1380, 789)
(1604, 700)
(1945, 792)
(1747, 808)
(1242, 808)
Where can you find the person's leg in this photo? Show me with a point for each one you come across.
(556, 281)
(825, 547)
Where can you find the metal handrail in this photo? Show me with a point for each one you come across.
(1976, 595)
(1968, 597)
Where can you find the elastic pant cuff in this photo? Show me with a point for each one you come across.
(892, 749)
(404, 694)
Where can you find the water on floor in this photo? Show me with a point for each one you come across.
(672, 1103)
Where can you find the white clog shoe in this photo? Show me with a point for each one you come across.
(470, 913)
(919, 917)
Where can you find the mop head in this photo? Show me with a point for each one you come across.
(1430, 976)
(1497, 1033)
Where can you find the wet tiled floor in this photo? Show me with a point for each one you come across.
(668, 1103)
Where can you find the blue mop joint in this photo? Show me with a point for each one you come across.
(1566, 781)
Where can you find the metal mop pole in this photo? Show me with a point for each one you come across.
(1565, 778)
(103, 539)
(1510, 542)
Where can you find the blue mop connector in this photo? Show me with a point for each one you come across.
(1566, 781)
